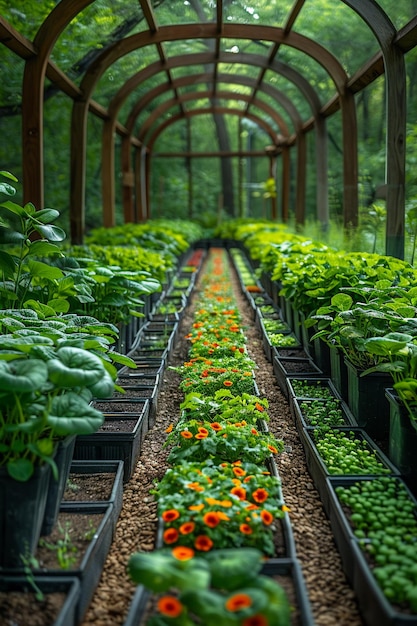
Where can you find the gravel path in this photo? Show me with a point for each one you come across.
(332, 601)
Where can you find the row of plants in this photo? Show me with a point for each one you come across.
(371, 510)
(218, 503)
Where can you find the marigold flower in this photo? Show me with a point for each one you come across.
(228, 383)
(285, 508)
(247, 373)
(203, 431)
(255, 620)
(248, 478)
(201, 436)
(170, 606)
(236, 482)
(238, 471)
(170, 515)
(203, 543)
(252, 507)
(186, 528)
(267, 517)
(273, 449)
(196, 486)
(260, 495)
(237, 463)
(216, 426)
(223, 516)
(196, 507)
(182, 553)
(259, 407)
(186, 434)
(238, 601)
(211, 519)
(239, 492)
(254, 431)
(237, 424)
(169, 429)
(245, 529)
(171, 535)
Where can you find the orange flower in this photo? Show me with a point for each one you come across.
(248, 478)
(238, 601)
(187, 528)
(186, 434)
(170, 606)
(169, 429)
(254, 431)
(223, 516)
(285, 508)
(216, 426)
(267, 517)
(211, 519)
(255, 620)
(227, 383)
(260, 495)
(238, 471)
(252, 507)
(273, 449)
(195, 486)
(245, 529)
(259, 407)
(182, 553)
(201, 436)
(170, 515)
(203, 543)
(171, 535)
(236, 482)
(239, 492)
(196, 507)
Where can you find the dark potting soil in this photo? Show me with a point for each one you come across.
(89, 487)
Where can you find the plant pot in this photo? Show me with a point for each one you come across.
(319, 470)
(293, 367)
(48, 585)
(91, 469)
(63, 458)
(322, 355)
(366, 400)
(343, 416)
(402, 441)
(338, 372)
(22, 509)
(114, 445)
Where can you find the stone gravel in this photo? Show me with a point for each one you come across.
(332, 600)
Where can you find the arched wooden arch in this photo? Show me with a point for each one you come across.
(207, 31)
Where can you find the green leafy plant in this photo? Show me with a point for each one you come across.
(64, 548)
(208, 505)
(225, 588)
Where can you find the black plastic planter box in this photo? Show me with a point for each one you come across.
(301, 416)
(293, 367)
(319, 471)
(100, 467)
(48, 585)
(115, 445)
(144, 367)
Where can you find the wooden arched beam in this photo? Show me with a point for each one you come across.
(142, 192)
(142, 103)
(207, 31)
(396, 118)
(32, 97)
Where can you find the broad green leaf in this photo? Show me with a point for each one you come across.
(8, 175)
(71, 415)
(234, 568)
(44, 248)
(23, 375)
(42, 270)
(51, 232)
(46, 215)
(75, 367)
(20, 469)
(8, 235)
(104, 388)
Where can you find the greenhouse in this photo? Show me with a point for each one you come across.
(208, 310)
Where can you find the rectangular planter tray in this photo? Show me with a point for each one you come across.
(312, 382)
(301, 421)
(121, 446)
(91, 566)
(144, 367)
(288, 568)
(294, 367)
(101, 467)
(318, 470)
(69, 585)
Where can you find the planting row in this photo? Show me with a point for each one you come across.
(220, 503)
(364, 491)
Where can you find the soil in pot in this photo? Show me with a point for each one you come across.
(22, 608)
(89, 487)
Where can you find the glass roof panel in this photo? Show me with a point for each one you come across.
(128, 65)
(257, 12)
(400, 13)
(183, 12)
(99, 25)
(338, 28)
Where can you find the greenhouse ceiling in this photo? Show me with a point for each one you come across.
(142, 67)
